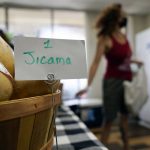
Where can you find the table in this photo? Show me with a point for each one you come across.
(84, 102)
(72, 134)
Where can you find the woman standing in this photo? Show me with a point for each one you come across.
(114, 45)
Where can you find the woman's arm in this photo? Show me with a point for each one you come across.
(94, 66)
(139, 63)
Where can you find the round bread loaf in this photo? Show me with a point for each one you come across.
(7, 56)
(24, 89)
(6, 84)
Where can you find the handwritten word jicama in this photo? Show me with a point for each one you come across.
(31, 59)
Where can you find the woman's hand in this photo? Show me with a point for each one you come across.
(82, 92)
(139, 63)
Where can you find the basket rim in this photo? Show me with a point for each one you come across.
(27, 106)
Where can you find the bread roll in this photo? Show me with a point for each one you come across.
(7, 56)
(24, 89)
(6, 84)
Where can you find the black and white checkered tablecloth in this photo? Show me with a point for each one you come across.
(72, 134)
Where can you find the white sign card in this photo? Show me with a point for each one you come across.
(36, 58)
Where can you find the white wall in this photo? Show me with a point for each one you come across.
(136, 23)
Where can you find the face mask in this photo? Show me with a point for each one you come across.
(123, 22)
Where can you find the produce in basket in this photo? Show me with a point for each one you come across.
(6, 84)
(7, 56)
(24, 89)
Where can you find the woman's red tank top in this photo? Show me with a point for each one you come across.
(118, 61)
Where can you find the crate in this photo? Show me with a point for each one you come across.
(28, 123)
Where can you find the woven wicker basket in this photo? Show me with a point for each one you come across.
(28, 123)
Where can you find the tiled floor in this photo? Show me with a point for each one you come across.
(139, 137)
